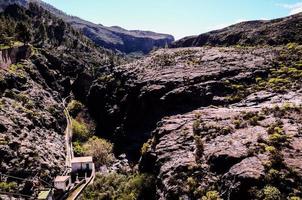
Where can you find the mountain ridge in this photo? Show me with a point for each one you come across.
(278, 31)
(113, 37)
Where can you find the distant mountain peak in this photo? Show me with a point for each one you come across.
(114, 37)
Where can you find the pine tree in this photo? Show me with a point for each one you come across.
(23, 33)
(42, 32)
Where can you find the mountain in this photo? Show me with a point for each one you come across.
(210, 122)
(114, 38)
(270, 32)
(207, 122)
(192, 123)
(42, 60)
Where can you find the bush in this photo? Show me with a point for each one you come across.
(271, 193)
(196, 127)
(80, 131)
(199, 147)
(8, 186)
(74, 107)
(211, 195)
(120, 186)
(23, 32)
(100, 149)
(146, 147)
(277, 139)
(78, 148)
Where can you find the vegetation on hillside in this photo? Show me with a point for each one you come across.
(115, 186)
(38, 27)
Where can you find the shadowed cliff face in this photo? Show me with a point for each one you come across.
(135, 96)
(272, 32)
(123, 40)
(13, 55)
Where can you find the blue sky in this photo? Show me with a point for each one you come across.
(177, 17)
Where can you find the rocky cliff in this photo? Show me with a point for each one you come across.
(206, 122)
(135, 96)
(116, 38)
(270, 32)
(231, 126)
(13, 55)
(34, 80)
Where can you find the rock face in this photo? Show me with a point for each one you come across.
(272, 32)
(12, 55)
(32, 87)
(237, 149)
(221, 156)
(32, 126)
(231, 119)
(135, 96)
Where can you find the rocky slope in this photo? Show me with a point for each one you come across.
(34, 79)
(207, 122)
(134, 97)
(270, 32)
(114, 38)
(233, 129)
(237, 151)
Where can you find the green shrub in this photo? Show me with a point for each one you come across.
(121, 187)
(196, 127)
(277, 139)
(225, 130)
(273, 175)
(239, 123)
(199, 147)
(270, 149)
(74, 107)
(278, 81)
(80, 131)
(20, 97)
(78, 148)
(146, 147)
(211, 195)
(8, 186)
(99, 149)
(191, 183)
(271, 193)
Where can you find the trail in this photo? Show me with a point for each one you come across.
(76, 191)
(68, 138)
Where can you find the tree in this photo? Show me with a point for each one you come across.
(42, 32)
(100, 149)
(59, 31)
(23, 32)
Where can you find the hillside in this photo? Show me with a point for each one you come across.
(271, 32)
(114, 38)
(222, 123)
(41, 60)
(210, 123)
